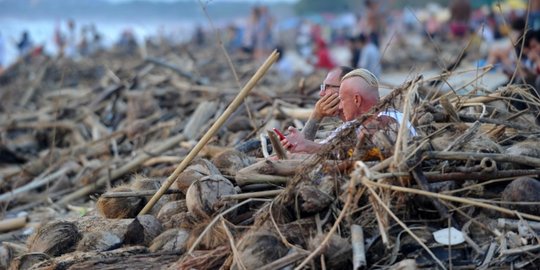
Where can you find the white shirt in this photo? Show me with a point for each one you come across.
(398, 116)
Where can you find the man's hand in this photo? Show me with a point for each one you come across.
(295, 142)
(326, 106)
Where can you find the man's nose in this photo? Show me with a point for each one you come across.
(322, 92)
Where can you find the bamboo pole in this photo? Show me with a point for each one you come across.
(210, 133)
(11, 224)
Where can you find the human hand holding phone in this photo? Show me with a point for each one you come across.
(280, 135)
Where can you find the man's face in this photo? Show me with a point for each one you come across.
(349, 104)
(331, 83)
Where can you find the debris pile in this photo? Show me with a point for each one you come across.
(83, 160)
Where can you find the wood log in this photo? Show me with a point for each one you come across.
(11, 224)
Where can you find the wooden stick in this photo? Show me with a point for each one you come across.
(141, 193)
(450, 198)
(142, 157)
(11, 224)
(215, 127)
(256, 194)
(514, 224)
(284, 261)
(525, 160)
(37, 183)
(358, 246)
(276, 145)
(244, 179)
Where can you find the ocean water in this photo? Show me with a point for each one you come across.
(42, 32)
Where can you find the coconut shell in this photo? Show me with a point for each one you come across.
(239, 123)
(258, 249)
(127, 207)
(529, 148)
(170, 209)
(26, 261)
(142, 230)
(90, 224)
(184, 220)
(229, 162)
(213, 238)
(141, 183)
(194, 172)
(55, 238)
(203, 197)
(523, 189)
(337, 251)
(99, 241)
(170, 240)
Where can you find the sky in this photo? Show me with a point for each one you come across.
(247, 1)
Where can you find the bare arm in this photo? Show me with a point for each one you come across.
(326, 106)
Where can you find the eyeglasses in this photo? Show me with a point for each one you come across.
(325, 86)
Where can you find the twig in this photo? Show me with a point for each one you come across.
(276, 145)
(333, 229)
(142, 157)
(524, 160)
(37, 182)
(257, 194)
(463, 138)
(284, 261)
(217, 218)
(141, 193)
(420, 242)
(210, 133)
(449, 198)
(359, 249)
(233, 246)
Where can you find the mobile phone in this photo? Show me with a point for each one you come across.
(281, 136)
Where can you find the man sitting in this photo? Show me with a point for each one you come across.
(358, 93)
(328, 104)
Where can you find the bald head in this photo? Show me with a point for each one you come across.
(359, 92)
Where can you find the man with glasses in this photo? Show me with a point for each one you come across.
(327, 106)
(358, 93)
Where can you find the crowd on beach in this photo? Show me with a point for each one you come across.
(358, 39)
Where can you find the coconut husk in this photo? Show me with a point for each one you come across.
(203, 197)
(9, 251)
(170, 240)
(254, 251)
(120, 207)
(55, 238)
(27, 260)
(337, 252)
(99, 241)
(142, 230)
(184, 220)
(170, 209)
(215, 237)
(196, 171)
(523, 189)
(229, 162)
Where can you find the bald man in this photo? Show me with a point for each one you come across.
(358, 93)
(328, 104)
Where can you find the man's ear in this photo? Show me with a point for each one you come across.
(358, 100)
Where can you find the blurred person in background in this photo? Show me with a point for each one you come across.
(355, 50)
(370, 58)
(323, 59)
(372, 22)
(460, 14)
(25, 44)
(71, 40)
(59, 40)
